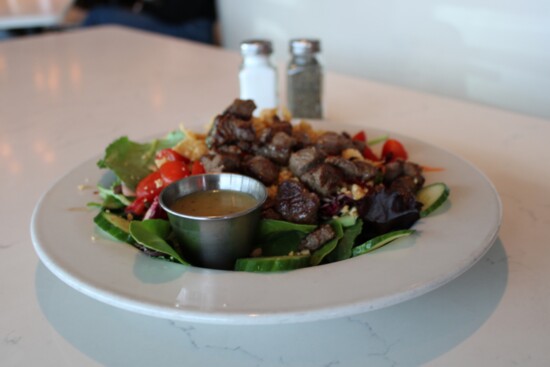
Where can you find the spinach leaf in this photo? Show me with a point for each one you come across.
(328, 247)
(270, 227)
(152, 233)
(281, 244)
(345, 245)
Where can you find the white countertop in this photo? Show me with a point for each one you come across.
(32, 13)
(64, 97)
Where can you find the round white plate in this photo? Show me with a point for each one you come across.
(446, 244)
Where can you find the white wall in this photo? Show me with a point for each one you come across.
(495, 52)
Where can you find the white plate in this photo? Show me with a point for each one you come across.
(447, 243)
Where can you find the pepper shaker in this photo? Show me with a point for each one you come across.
(305, 79)
(257, 76)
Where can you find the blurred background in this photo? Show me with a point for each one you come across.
(492, 52)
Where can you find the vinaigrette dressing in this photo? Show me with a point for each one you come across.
(213, 203)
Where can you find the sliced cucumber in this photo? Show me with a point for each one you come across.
(380, 241)
(272, 263)
(114, 225)
(432, 196)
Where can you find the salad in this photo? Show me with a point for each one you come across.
(332, 195)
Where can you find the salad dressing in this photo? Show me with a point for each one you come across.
(213, 203)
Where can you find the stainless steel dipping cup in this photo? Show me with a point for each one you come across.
(214, 242)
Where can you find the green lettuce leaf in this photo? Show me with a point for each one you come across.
(132, 161)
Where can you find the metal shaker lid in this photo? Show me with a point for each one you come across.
(302, 46)
(256, 47)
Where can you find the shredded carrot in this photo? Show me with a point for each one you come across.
(432, 169)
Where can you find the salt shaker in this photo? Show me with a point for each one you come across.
(257, 76)
(305, 79)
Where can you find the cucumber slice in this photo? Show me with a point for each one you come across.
(114, 225)
(380, 241)
(272, 263)
(432, 196)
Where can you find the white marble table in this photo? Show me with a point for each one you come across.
(64, 97)
(15, 14)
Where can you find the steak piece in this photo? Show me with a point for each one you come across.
(324, 179)
(414, 170)
(331, 143)
(241, 108)
(296, 204)
(404, 184)
(214, 163)
(303, 160)
(302, 139)
(366, 170)
(275, 127)
(269, 211)
(262, 169)
(353, 169)
(228, 129)
(278, 149)
(316, 239)
(400, 168)
(392, 170)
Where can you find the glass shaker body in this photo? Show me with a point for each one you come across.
(257, 76)
(305, 80)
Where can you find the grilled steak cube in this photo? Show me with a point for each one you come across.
(302, 139)
(314, 240)
(397, 169)
(278, 149)
(331, 143)
(295, 203)
(214, 163)
(262, 169)
(304, 159)
(366, 170)
(229, 130)
(277, 126)
(241, 109)
(324, 179)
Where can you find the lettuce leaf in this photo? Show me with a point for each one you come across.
(132, 161)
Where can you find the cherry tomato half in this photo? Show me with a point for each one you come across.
(150, 186)
(197, 168)
(137, 207)
(170, 155)
(393, 149)
(360, 136)
(369, 154)
(173, 171)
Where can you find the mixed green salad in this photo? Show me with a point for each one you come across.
(129, 210)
